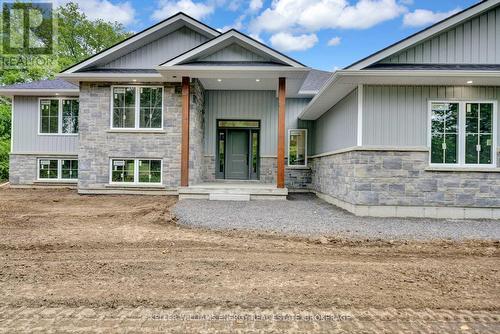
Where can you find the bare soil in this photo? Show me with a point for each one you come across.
(61, 249)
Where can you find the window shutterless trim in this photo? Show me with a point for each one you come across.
(59, 116)
(305, 148)
(461, 133)
(137, 107)
(59, 170)
(136, 172)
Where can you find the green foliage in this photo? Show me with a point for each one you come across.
(4, 140)
(76, 39)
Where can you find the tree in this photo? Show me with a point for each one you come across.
(77, 38)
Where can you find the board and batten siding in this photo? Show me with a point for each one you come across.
(160, 50)
(476, 41)
(398, 115)
(337, 128)
(234, 52)
(25, 137)
(249, 105)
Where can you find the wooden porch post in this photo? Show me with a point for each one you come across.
(185, 132)
(280, 179)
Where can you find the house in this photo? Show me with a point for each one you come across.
(181, 108)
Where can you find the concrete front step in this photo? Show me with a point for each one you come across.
(233, 192)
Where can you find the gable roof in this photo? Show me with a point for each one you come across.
(203, 51)
(144, 37)
(424, 34)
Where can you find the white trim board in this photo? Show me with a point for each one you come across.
(360, 116)
(425, 34)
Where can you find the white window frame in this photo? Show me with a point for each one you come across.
(461, 133)
(137, 107)
(288, 148)
(59, 116)
(59, 170)
(136, 172)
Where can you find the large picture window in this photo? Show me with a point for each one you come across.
(297, 147)
(462, 133)
(140, 171)
(57, 169)
(58, 116)
(137, 107)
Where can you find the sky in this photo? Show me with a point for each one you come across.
(323, 34)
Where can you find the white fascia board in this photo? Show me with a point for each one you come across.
(423, 35)
(116, 77)
(141, 35)
(225, 72)
(231, 34)
(344, 81)
(39, 92)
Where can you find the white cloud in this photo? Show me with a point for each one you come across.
(121, 12)
(314, 15)
(423, 17)
(284, 41)
(334, 41)
(198, 10)
(255, 5)
(238, 24)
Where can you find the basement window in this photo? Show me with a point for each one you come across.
(57, 169)
(136, 171)
(297, 147)
(463, 133)
(137, 107)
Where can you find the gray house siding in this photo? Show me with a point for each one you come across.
(337, 128)
(255, 105)
(397, 115)
(25, 131)
(250, 105)
(476, 41)
(159, 51)
(234, 52)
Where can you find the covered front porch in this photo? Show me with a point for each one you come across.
(234, 93)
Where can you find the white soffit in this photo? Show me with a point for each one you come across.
(39, 92)
(344, 81)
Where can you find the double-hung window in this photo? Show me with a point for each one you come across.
(463, 133)
(139, 171)
(137, 107)
(297, 147)
(57, 169)
(58, 116)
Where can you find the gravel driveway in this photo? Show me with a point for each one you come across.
(308, 215)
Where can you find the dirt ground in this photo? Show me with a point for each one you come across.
(60, 250)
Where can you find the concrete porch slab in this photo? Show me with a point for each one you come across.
(231, 191)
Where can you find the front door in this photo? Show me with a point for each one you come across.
(237, 154)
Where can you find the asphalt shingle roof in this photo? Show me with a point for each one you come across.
(56, 84)
(315, 80)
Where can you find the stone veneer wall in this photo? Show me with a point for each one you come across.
(196, 126)
(391, 178)
(22, 169)
(98, 144)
